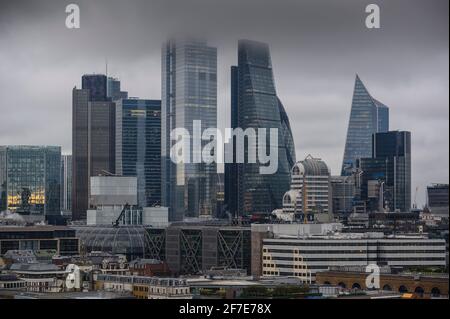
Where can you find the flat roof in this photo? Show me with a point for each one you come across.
(33, 228)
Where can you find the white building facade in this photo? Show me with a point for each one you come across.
(310, 193)
(319, 253)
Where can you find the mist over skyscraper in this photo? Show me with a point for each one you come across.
(183, 181)
(255, 104)
(189, 92)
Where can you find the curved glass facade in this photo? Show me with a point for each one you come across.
(368, 116)
(131, 241)
(256, 105)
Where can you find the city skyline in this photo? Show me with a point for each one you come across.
(413, 84)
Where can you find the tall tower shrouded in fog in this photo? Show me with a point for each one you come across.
(255, 104)
(189, 93)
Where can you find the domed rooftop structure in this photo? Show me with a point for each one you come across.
(131, 241)
(310, 166)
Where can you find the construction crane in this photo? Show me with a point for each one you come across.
(122, 213)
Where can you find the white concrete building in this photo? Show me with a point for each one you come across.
(155, 216)
(319, 252)
(109, 195)
(112, 191)
(310, 193)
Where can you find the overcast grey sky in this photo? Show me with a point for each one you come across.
(317, 47)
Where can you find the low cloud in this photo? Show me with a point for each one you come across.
(317, 48)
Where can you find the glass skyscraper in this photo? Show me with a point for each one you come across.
(189, 92)
(80, 154)
(254, 104)
(390, 167)
(368, 116)
(138, 146)
(113, 90)
(30, 180)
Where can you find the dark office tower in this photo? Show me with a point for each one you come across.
(368, 116)
(375, 194)
(138, 146)
(93, 138)
(97, 86)
(255, 105)
(395, 146)
(30, 180)
(437, 199)
(391, 144)
(113, 90)
(101, 137)
(189, 93)
(80, 159)
(386, 177)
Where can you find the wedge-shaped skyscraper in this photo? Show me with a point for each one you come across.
(368, 116)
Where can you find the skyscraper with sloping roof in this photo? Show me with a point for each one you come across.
(367, 116)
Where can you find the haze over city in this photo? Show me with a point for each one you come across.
(317, 47)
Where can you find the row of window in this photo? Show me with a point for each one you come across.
(355, 251)
(340, 243)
